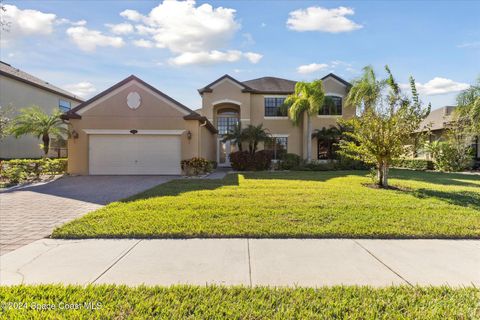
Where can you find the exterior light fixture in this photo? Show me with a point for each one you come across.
(189, 135)
(133, 131)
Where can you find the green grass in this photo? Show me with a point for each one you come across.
(293, 204)
(213, 302)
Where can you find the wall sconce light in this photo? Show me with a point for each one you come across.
(74, 134)
(189, 135)
(133, 131)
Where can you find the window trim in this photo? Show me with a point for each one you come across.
(333, 115)
(273, 96)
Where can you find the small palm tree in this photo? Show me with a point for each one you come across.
(366, 90)
(307, 99)
(36, 122)
(235, 135)
(253, 135)
(329, 137)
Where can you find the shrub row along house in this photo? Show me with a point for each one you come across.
(133, 128)
(19, 89)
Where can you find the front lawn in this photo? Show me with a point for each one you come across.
(190, 302)
(293, 204)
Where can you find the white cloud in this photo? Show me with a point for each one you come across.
(253, 57)
(322, 19)
(83, 89)
(70, 22)
(142, 43)
(121, 28)
(132, 15)
(474, 44)
(26, 22)
(312, 67)
(214, 56)
(88, 40)
(437, 86)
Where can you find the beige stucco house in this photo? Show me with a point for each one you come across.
(133, 128)
(18, 90)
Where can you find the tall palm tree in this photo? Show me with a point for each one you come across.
(365, 91)
(307, 100)
(36, 122)
(236, 135)
(253, 135)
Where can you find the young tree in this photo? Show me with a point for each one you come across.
(236, 135)
(307, 100)
(468, 111)
(34, 121)
(385, 124)
(254, 135)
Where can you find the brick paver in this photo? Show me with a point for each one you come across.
(31, 213)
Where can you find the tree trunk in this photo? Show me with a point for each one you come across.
(382, 174)
(309, 139)
(46, 143)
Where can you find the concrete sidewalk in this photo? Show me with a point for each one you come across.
(250, 262)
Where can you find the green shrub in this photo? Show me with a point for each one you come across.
(451, 155)
(19, 170)
(414, 164)
(241, 160)
(290, 161)
(196, 166)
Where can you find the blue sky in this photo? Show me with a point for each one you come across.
(87, 46)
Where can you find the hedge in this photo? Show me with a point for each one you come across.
(414, 164)
(19, 170)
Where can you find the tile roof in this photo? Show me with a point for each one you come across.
(271, 85)
(17, 74)
(438, 119)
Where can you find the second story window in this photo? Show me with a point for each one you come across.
(331, 107)
(227, 119)
(64, 105)
(273, 107)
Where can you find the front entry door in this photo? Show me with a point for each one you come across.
(223, 157)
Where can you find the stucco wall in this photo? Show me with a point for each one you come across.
(20, 95)
(154, 113)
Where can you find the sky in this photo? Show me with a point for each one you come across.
(178, 47)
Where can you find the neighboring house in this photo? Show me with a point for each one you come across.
(133, 128)
(436, 124)
(18, 90)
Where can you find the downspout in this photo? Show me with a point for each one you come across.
(200, 138)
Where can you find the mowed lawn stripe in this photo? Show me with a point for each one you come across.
(293, 204)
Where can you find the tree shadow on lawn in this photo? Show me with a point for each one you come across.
(466, 199)
(441, 178)
(320, 176)
(179, 186)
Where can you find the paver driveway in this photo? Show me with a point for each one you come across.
(32, 213)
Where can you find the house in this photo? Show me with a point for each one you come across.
(133, 128)
(437, 123)
(18, 90)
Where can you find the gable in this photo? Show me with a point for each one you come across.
(144, 102)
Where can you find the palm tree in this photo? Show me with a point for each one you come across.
(253, 135)
(329, 137)
(36, 122)
(235, 135)
(307, 99)
(365, 91)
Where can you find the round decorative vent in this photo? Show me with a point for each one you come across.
(133, 100)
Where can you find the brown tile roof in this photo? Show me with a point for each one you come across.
(271, 85)
(438, 119)
(19, 75)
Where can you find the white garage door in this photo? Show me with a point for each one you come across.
(134, 154)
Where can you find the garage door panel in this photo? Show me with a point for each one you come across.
(130, 154)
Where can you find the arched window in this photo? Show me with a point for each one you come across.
(226, 119)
